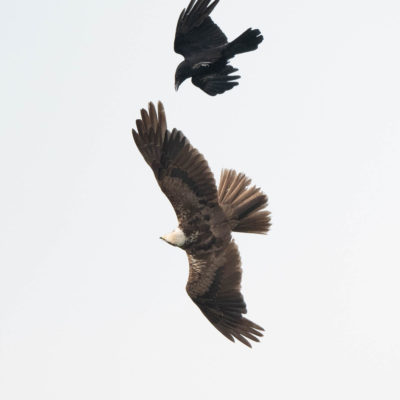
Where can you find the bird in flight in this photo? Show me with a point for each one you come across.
(207, 216)
(206, 49)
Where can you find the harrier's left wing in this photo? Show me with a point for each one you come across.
(214, 285)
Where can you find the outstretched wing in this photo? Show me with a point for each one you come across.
(214, 285)
(217, 82)
(196, 31)
(181, 171)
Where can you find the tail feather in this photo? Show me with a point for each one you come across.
(247, 41)
(243, 205)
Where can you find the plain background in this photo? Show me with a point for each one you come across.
(93, 304)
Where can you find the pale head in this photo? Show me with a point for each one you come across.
(175, 238)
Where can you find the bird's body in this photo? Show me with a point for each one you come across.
(206, 49)
(207, 216)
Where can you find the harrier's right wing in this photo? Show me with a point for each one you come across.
(181, 171)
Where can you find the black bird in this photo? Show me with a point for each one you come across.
(206, 49)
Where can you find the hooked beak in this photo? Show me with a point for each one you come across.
(177, 84)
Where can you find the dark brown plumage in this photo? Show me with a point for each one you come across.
(207, 217)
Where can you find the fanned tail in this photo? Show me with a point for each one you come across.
(243, 205)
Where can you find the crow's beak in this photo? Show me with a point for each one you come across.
(177, 84)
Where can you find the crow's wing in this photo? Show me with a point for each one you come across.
(196, 31)
(217, 82)
(214, 285)
(181, 171)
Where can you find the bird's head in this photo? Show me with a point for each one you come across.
(182, 73)
(175, 238)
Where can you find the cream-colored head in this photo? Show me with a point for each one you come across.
(175, 238)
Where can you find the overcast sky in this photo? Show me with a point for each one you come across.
(93, 304)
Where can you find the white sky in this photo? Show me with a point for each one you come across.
(93, 304)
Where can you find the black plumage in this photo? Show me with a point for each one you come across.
(206, 49)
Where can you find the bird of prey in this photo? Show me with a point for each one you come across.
(206, 49)
(207, 216)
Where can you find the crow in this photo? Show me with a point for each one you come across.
(206, 49)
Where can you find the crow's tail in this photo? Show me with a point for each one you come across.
(247, 41)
